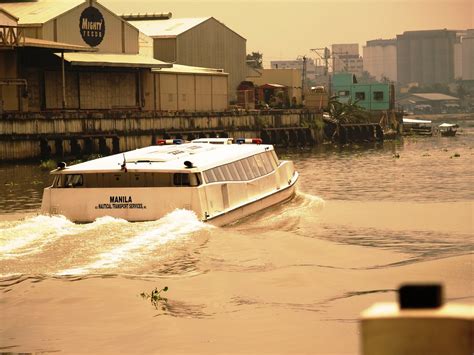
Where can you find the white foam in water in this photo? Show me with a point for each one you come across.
(31, 234)
(302, 201)
(172, 227)
(315, 201)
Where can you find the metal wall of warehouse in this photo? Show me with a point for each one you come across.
(184, 92)
(9, 94)
(209, 44)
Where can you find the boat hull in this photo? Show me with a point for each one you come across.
(252, 207)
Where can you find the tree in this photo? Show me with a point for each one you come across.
(255, 60)
(349, 112)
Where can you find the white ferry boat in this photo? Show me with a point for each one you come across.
(220, 182)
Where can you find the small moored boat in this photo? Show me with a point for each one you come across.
(448, 129)
(220, 182)
(412, 126)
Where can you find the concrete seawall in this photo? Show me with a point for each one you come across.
(31, 136)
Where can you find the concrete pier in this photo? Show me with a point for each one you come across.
(69, 133)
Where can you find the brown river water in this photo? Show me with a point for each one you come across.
(291, 279)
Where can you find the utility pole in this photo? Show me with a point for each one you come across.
(303, 74)
(324, 54)
(303, 78)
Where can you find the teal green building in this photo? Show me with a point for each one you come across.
(372, 97)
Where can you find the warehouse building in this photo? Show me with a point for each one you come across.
(78, 55)
(201, 42)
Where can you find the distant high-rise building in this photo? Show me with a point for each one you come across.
(467, 55)
(380, 58)
(426, 57)
(346, 58)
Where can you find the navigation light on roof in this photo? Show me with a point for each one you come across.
(248, 141)
(169, 141)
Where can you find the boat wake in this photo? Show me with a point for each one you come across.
(56, 246)
(285, 216)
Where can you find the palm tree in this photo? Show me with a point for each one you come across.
(348, 112)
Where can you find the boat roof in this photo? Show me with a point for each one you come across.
(213, 140)
(412, 120)
(447, 125)
(169, 158)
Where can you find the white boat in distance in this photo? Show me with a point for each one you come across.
(220, 182)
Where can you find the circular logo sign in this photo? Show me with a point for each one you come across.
(92, 26)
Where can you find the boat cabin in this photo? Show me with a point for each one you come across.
(213, 179)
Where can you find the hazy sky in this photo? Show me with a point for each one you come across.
(287, 29)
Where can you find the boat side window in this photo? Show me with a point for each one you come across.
(267, 162)
(193, 180)
(198, 178)
(219, 175)
(210, 176)
(233, 171)
(248, 169)
(271, 160)
(226, 172)
(241, 170)
(253, 166)
(90, 180)
(74, 180)
(260, 166)
(180, 179)
(275, 158)
(57, 181)
(161, 179)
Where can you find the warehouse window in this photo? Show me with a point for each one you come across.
(343, 93)
(378, 95)
(360, 95)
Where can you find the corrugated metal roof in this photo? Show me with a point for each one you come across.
(114, 60)
(435, 96)
(2, 10)
(168, 28)
(41, 43)
(41, 11)
(186, 69)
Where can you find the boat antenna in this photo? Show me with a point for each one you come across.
(124, 164)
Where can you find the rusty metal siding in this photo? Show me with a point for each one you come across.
(8, 70)
(109, 90)
(213, 45)
(164, 49)
(219, 93)
(168, 92)
(203, 92)
(33, 32)
(148, 94)
(54, 93)
(186, 93)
